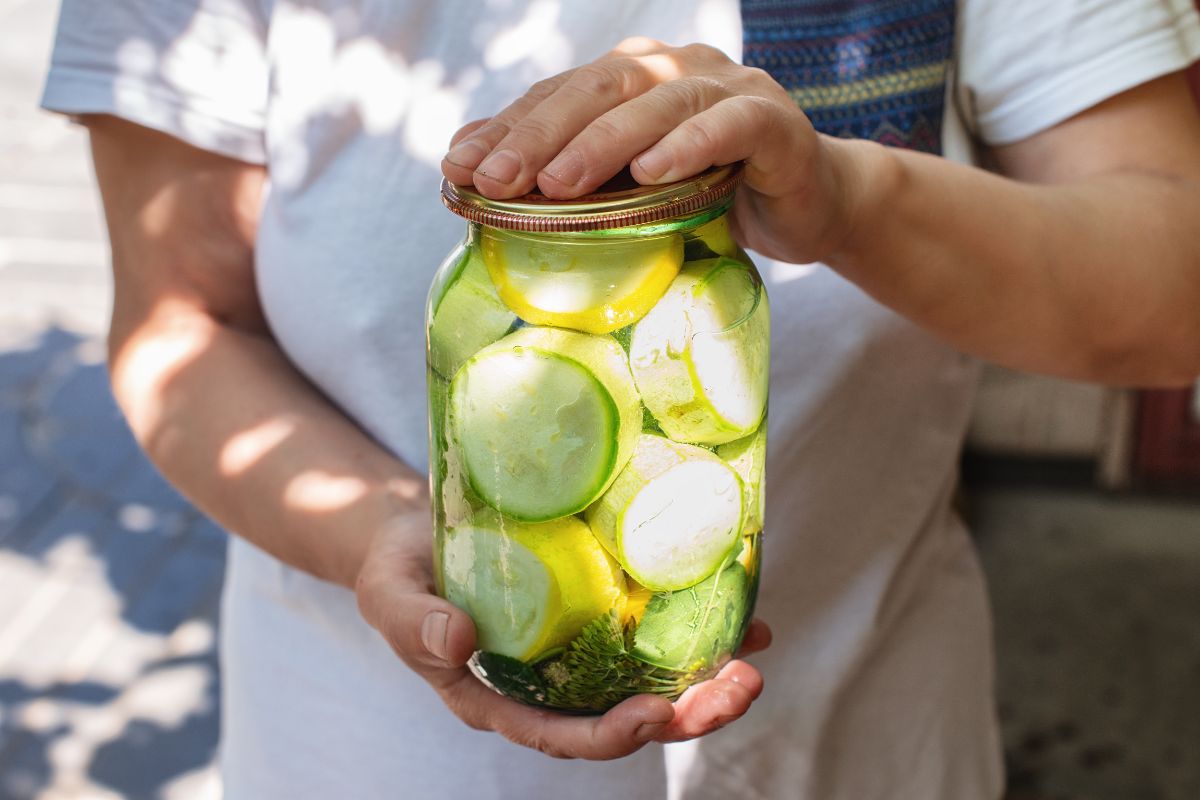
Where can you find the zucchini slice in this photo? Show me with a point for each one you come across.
(749, 457)
(590, 285)
(544, 419)
(710, 240)
(529, 588)
(467, 316)
(701, 356)
(695, 627)
(672, 516)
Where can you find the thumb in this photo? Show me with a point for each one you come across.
(396, 597)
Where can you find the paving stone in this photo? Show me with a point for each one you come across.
(24, 362)
(180, 590)
(18, 220)
(144, 488)
(1096, 600)
(25, 485)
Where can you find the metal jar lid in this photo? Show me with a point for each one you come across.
(620, 203)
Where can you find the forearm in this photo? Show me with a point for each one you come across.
(208, 393)
(1096, 278)
(230, 422)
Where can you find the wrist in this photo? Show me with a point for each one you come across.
(866, 177)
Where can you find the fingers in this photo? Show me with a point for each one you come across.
(758, 637)
(775, 139)
(396, 596)
(609, 142)
(504, 155)
(512, 166)
(430, 634)
(621, 731)
(466, 130)
(711, 705)
(682, 109)
(469, 148)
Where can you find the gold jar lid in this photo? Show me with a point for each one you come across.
(620, 203)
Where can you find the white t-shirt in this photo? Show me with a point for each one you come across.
(879, 684)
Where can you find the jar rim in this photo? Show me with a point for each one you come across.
(618, 206)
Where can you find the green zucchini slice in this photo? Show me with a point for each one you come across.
(697, 626)
(544, 419)
(468, 315)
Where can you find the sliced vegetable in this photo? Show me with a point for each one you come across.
(467, 316)
(672, 516)
(710, 240)
(544, 420)
(695, 627)
(749, 457)
(529, 588)
(439, 389)
(636, 598)
(590, 285)
(748, 556)
(701, 356)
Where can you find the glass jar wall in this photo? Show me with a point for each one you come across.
(597, 395)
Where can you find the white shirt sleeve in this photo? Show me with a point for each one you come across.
(1026, 65)
(196, 69)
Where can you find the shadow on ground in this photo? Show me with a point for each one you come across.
(109, 586)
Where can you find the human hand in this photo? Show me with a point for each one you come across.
(670, 113)
(435, 638)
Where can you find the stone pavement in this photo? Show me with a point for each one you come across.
(109, 581)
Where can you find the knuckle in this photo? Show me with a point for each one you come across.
(601, 79)
(475, 723)
(365, 590)
(453, 697)
(701, 139)
(549, 748)
(755, 75)
(639, 45)
(534, 129)
(695, 93)
(533, 735)
(495, 130)
(704, 53)
(752, 81)
(606, 129)
(755, 112)
(542, 89)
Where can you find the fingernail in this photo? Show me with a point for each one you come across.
(648, 730)
(433, 633)
(566, 168)
(467, 153)
(654, 163)
(501, 166)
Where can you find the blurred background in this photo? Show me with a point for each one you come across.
(1085, 503)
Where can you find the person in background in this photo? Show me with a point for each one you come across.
(269, 174)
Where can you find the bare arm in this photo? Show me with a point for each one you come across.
(207, 392)
(1084, 262)
(230, 422)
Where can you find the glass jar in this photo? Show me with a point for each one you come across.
(598, 395)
